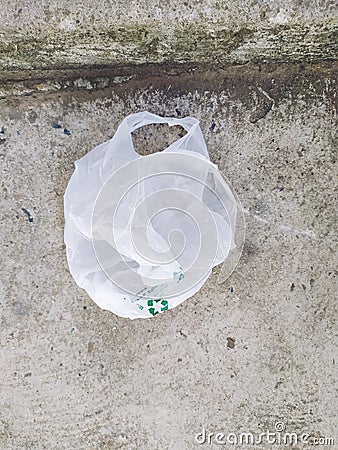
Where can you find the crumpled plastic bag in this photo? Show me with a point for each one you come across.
(143, 233)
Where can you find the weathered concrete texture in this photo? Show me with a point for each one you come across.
(62, 35)
(68, 15)
(65, 15)
(239, 356)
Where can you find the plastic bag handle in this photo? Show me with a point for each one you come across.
(140, 119)
(192, 141)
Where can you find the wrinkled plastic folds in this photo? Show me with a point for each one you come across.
(143, 233)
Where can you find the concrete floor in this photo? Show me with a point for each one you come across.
(247, 356)
(238, 356)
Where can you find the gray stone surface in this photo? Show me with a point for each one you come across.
(63, 34)
(68, 15)
(238, 356)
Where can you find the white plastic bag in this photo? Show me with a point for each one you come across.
(143, 233)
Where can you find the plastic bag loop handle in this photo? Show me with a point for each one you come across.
(192, 141)
(138, 120)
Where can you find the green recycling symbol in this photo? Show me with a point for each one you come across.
(157, 306)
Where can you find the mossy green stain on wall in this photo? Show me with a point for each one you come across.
(191, 42)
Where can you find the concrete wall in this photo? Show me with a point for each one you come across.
(238, 356)
(72, 34)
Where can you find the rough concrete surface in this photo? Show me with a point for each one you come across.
(64, 14)
(60, 34)
(241, 356)
(238, 356)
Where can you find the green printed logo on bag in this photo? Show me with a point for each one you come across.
(157, 306)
